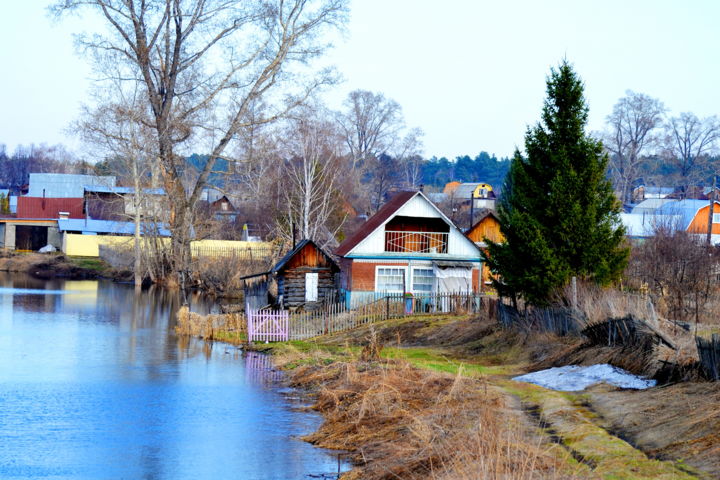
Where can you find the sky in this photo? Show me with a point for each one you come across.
(470, 74)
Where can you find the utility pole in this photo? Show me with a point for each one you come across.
(711, 211)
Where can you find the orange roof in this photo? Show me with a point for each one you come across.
(450, 187)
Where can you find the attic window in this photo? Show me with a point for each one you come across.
(716, 218)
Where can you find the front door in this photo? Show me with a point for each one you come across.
(311, 287)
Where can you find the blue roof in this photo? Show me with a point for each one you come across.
(121, 190)
(685, 209)
(62, 185)
(90, 226)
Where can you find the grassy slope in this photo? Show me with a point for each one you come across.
(562, 416)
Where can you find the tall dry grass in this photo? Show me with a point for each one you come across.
(209, 327)
(402, 422)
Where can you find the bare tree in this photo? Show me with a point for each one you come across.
(117, 129)
(313, 146)
(408, 154)
(201, 66)
(371, 124)
(689, 141)
(628, 135)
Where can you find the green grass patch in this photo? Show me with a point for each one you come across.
(89, 263)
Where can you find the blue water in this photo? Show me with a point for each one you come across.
(95, 385)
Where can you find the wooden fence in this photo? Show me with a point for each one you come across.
(562, 321)
(267, 325)
(241, 253)
(709, 353)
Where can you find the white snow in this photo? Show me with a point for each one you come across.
(572, 378)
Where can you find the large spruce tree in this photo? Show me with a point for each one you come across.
(558, 212)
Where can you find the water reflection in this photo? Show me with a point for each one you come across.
(94, 384)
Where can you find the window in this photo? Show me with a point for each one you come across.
(389, 279)
(716, 217)
(422, 281)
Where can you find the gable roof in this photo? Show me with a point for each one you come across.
(382, 215)
(385, 214)
(303, 243)
(686, 210)
(49, 208)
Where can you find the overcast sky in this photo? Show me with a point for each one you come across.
(471, 74)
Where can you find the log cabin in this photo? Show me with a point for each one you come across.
(306, 277)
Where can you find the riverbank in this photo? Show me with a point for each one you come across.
(436, 400)
(57, 265)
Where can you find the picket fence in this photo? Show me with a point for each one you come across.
(280, 325)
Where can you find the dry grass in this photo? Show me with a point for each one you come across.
(224, 327)
(402, 422)
(677, 421)
(221, 276)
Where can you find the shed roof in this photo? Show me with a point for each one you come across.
(109, 227)
(49, 208)
(303, 243)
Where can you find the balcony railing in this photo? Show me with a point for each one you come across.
(416, 242)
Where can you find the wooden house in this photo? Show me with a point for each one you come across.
(306, 277)
(408, 246)
(488, 226)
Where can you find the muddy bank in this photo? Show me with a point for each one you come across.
(54, 265)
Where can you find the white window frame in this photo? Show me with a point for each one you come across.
(716, 217)
(412, 280)
(398, 267)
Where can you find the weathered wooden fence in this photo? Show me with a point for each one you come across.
(268, 325)
(562, 321)
(240, 253)
(709, 353)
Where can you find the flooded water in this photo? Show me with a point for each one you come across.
(95, 385)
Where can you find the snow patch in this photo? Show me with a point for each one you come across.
(573, 378)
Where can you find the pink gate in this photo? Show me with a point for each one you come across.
(268, 325)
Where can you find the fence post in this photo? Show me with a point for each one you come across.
(387, 308)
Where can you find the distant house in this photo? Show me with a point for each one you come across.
(118, 203)
(692, 217)
(689, 216)
(408, 246)
(35, 224)
(306, 277)
(643, 192)
(486, 227)
(482, 194)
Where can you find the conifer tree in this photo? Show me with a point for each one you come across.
(558, 212)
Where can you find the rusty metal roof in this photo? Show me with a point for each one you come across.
(49, 208)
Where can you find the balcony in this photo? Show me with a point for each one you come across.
(416, 242)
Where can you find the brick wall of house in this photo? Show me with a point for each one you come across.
(361, 276)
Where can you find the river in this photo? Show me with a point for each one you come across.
(94, 384)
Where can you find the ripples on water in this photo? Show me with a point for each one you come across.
(94, 384)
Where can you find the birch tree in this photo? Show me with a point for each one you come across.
(315, 165)
(201, 66)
